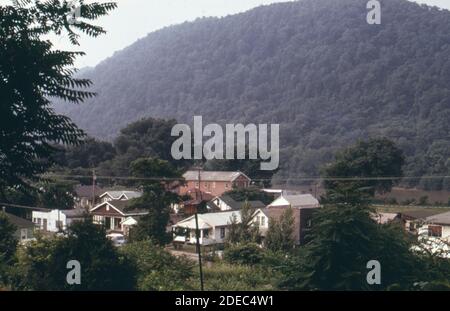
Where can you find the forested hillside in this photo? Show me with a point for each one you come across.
(314, 66)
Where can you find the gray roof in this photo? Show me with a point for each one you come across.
(86, 191)
(18, 221)
(419, 214)
(122, 206)
(213, 175)
(118, 194)
(210, 220)
(441, 219)
(74, 213)
(236, 205)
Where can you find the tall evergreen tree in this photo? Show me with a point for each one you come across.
(280, 236)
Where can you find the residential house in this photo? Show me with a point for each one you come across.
(213, 182)
(438, 226)
(227, 203)
(213, 227)
(113, 213)
(295, 201)
(303, 206)
(412, 220)
(85, 195)
(122, 195)
(24, 228)
(192, 205)
(57, 220)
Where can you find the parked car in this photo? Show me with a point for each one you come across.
(117, 239)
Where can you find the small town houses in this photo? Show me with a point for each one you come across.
(214, 183)
(114, 211)
(24, 228)
(215, 226)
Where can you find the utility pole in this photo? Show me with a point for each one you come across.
(197, 233)
(94, 178)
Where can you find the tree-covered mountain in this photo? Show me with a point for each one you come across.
(316, 67)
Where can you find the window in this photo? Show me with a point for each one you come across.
(263, 221)
(222, 233)
(117, 223)
(23, 234)
(227, 185)
(206, 233)
(435, 231)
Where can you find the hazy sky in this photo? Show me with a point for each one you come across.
(134, 19)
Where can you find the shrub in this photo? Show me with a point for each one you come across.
(244, 254)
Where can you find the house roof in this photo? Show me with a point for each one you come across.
(74, 213)
(121, 206)
(116, 195)
(18, 221)
(419, 214)
(384, 218)
(214, 175)
(296, 201)
(86, 191)
(209, 220)
(236, 205)
(441, 219)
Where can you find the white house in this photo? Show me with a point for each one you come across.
(434, 234)
(56, 220)
(213, 227)
(303, 206)
(123, 195)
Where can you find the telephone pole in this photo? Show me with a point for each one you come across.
(197, 233)
(94, 178)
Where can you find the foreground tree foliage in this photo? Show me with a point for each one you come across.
(156, 177)
(41, 265)
(32, 73)
(157, 269)
(243, 231)
(56, 195)
(345, 237)
(8, 245)
(280, 235)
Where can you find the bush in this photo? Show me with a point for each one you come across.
(157, 268)
(233, 277)
(244, 254)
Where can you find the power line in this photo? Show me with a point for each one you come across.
(313, 178)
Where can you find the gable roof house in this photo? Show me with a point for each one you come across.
(214, 228)
(85, 195)
(303, 206)
(214, 182)
(120, 195)
(438, 226)
(227, 203)
(412, 220)
(24, 228)
(113, 213)
(57, 220)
